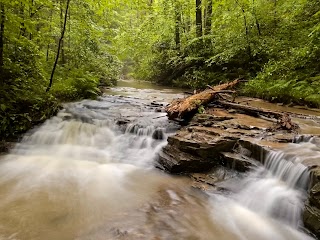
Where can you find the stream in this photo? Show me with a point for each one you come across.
(88, 174)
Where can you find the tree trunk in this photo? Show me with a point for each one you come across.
(63, 61)
(246, 29)
(208, 19)
(50, 29)
(250, 110)
(22, 25)
(69, 35)
(186, 108)
(59, 46)
(186, 22)
(177, 26)
(2, 17)
(256, 18)
(31, 14)
(198, 18)
(275, 13)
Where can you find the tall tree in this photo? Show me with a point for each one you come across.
(177, 25)
(256, 17)
(2, 21)
(59, 45)
(246, 27)
(199, 18)
(208, 18)
(63, 61)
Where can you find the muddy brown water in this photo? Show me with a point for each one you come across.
(307, 125)
(81, 176)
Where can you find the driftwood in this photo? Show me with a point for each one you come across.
(286, 123)
(185, 108)
(283, 121)
(252, 111)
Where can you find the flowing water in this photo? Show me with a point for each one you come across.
(85, 174)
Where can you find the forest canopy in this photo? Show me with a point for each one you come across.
(82, 45)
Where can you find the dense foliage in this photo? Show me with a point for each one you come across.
(29, 35)
(273, 43)
(187, 43)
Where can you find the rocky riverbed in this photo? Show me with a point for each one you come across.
(217, 145)
(89, 173)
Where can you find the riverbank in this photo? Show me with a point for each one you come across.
(217, 145)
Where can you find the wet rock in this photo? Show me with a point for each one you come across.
(311, 215)
(157, 104)
(209, 179)
(202, 145)
(315, 195)
(236, 142)
(232, 111)
(176, 161)
(220, 139)
(244, 127)
(193, 152)
(158, 134)
(202, 118)
(258, 150)
(172, 127)
(214, 179)
(284, 138)
(207, 146)
(311, 219)
(237, 161)
(123, 121)
(304, 138)
(65, 116)
(315, 176)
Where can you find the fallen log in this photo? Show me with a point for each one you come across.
(252, 111)
(283, 120)
(186, 108)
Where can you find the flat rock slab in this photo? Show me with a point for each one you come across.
(211, 140)
(238, 161)
(236, 142)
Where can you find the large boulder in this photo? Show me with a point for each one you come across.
(194, 151)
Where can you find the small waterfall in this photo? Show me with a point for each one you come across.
(277, 189)
(302, 138)
(79, 169)
(140, 130)
(288, 169)
(80, 176)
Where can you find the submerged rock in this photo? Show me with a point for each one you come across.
(158, 134)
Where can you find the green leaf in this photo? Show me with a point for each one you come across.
(3, 107)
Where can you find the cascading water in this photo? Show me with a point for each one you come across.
(276, 190)
(82, 176)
